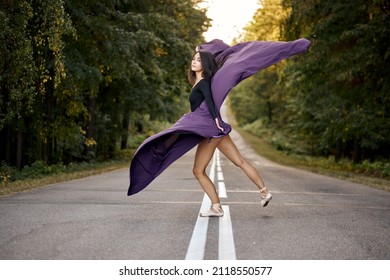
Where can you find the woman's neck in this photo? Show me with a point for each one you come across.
(198, 77)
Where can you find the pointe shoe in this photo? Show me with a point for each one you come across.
(265, 200)
(215, 211)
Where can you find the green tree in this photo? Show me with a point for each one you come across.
(17, 76)
(138, 52)
(343, 100)
(48, 27)
(335, 99)
(266, 24)
(260, 97)
(33, 68)
(75, 75)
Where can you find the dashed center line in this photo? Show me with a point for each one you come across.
(226, 247)
(222, 190)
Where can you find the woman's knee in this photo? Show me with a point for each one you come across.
(198, 172)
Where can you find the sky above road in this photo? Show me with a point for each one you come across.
(229, 17)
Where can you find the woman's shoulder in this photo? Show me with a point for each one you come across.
(201, 84)
(204, 82)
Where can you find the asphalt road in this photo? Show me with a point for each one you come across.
(310, 217)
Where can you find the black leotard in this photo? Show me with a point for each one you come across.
(200, 92)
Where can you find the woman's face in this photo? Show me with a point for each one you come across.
(196, 64)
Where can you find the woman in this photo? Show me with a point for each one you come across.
(203, 67)
(198, 127)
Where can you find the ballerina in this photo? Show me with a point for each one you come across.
(203, 126)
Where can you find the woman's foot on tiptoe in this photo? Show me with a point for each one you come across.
(215, 211)
(266, 197)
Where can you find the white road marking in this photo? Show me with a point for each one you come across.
(226, 247)
(222, 190)
(197, 245)
(306, 193)
(255, 203)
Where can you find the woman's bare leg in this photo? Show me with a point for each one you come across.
(229, 149)
(204, 153)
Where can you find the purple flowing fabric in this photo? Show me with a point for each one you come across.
(159, 151)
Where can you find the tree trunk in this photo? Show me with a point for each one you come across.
(356, 155)
(49, 104)
(339, 145)
(8, 146)
(91, 126)
(19, 150)
(125, 133)
(92, 116)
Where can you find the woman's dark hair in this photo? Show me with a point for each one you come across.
(209, 66)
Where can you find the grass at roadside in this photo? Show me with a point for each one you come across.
(312, 164)
(27, 184)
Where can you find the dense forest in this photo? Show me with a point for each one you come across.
(335, 99)
(79, 78)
